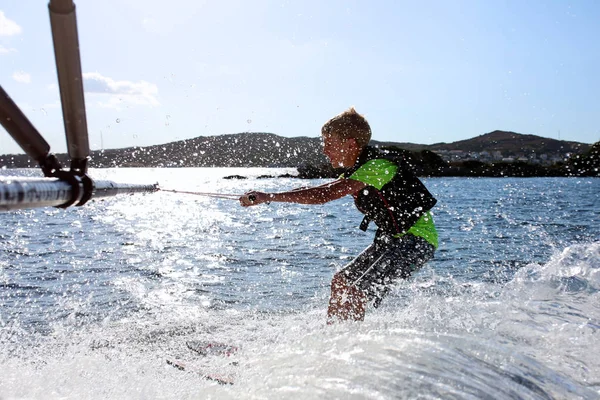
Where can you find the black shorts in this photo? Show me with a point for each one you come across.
(385, 261)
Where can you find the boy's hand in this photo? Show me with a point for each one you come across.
(254, 198)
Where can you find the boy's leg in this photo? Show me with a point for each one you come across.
(369, 276)
(346, 301)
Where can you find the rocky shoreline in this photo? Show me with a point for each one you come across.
(305, 154)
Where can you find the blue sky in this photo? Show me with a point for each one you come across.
(422, 72)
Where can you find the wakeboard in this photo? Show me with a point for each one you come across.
(184, 366)
(208, 350)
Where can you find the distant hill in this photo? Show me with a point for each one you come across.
(509, 143)
(236, 150)
(512, 143)
(269, 150)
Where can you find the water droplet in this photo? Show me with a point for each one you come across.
(249, 121)
(118, 120)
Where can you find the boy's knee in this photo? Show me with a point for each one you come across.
(339, 281)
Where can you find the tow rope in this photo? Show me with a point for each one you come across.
(227, 196)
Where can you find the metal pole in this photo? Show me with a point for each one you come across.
(62, 188)
(108, 188)
(21, 129)
(68, 66)
(24, 193)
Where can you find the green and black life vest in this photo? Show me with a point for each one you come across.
(395, 199)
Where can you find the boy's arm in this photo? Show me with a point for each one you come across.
(315, 195)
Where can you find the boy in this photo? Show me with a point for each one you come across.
(388, 193)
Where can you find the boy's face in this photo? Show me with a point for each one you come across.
(341, 152)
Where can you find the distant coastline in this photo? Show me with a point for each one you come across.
(495, 154)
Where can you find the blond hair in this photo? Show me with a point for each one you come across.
(347, 125)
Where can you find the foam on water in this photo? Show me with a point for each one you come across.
(532, 338)
(95, 299)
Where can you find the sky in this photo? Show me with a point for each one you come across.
(420, 72)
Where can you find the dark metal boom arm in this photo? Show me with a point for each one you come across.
(61, 188)
(70, 81)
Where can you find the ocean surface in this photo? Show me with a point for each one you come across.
(95, 299)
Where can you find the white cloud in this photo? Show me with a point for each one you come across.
(8, 27)
(22, 77)
(117, 94)
(4, 50)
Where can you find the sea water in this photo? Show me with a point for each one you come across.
(95, 299)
